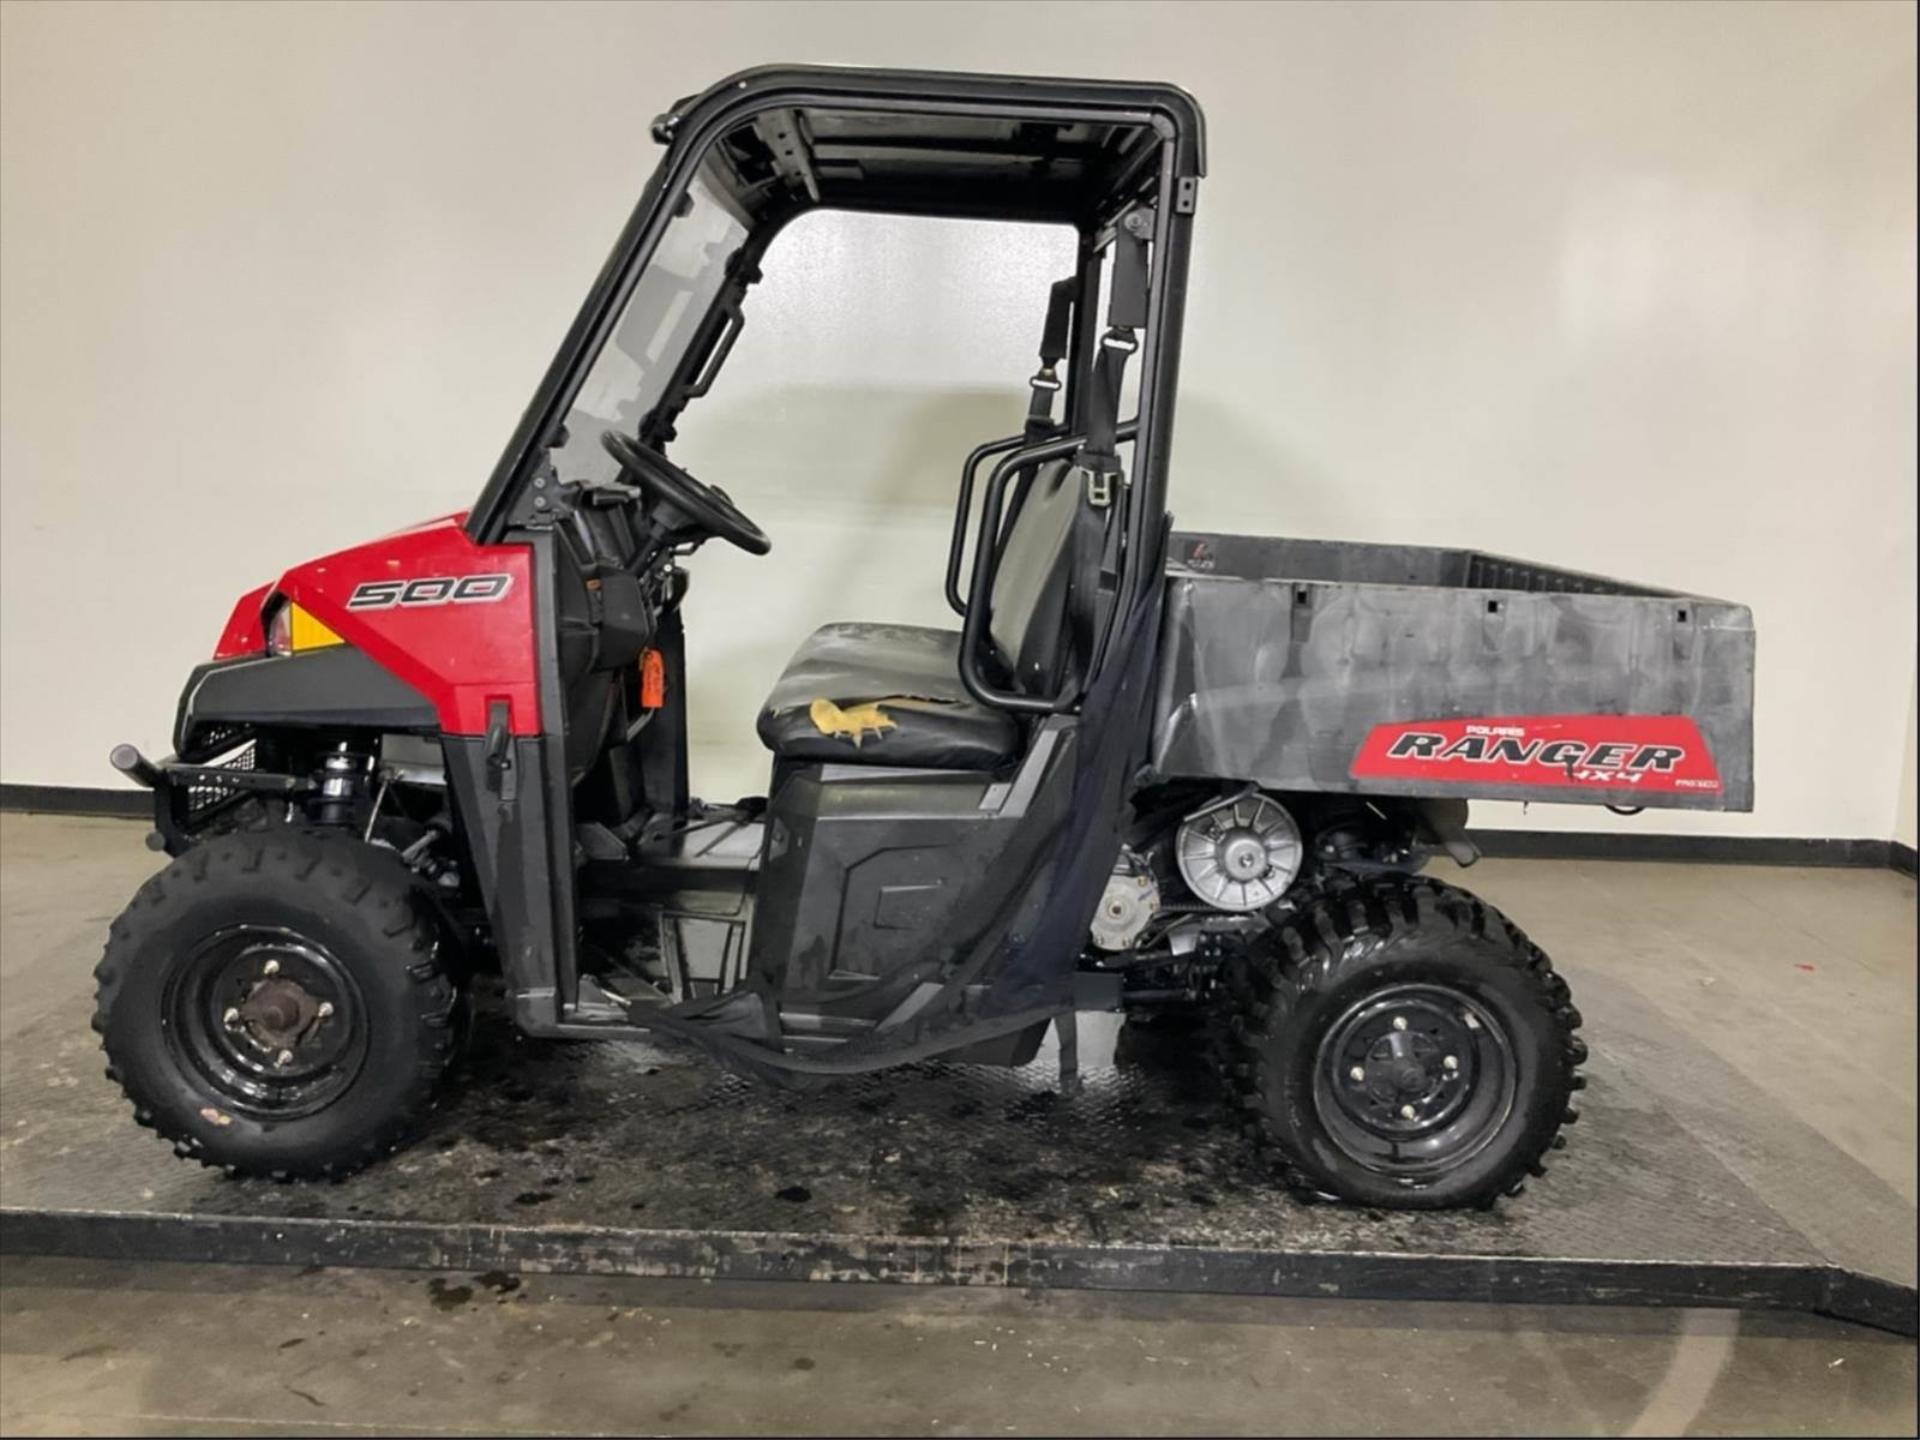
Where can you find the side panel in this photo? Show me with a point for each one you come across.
(867, 871)
(1389, 671)
(868, 868)
(503, 808)
(451, 618)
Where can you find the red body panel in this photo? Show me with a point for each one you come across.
(245, 634)
(1605, 752)
(463, 656)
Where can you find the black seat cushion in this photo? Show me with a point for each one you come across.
(884, 695)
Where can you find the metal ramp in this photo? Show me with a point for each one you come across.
(1679, 1186)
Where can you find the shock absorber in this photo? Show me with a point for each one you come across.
(342, 777)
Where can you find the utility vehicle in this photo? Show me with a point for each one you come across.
(1142, 770)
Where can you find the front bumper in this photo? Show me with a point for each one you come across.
(190, 799)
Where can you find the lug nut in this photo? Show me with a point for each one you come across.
(1472, 1023)
(283, 1059)
(1452, 1062)
(326, 1009)
(272, 967)
(1399, 1022)
(231, 1018)
(1359, 1072)
(1406, 1112)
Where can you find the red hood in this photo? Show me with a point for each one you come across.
(451, 618)
(246, 633)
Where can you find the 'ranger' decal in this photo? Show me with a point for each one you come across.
(1637, 752)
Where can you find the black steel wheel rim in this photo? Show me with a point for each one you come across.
(1414, 1080)
(267, 1018)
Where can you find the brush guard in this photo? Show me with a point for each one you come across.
(190, 799)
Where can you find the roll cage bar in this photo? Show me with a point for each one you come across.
(785, 140)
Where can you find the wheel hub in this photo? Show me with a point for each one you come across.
(268, 1018)
(1397, 1064)
(278, 1013)
(1414, 1077)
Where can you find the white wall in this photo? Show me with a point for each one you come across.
(1627, 288)
(1906, 826)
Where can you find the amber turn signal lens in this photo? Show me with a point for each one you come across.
(292, 630)
(308, 633)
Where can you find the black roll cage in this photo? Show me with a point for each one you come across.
(513, 791)
(691, 130)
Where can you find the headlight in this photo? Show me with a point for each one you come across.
(291, 630)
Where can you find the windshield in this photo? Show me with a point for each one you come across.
(671, 298)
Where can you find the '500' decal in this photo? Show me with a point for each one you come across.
(430, 590)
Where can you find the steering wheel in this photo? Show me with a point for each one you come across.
(662, 480)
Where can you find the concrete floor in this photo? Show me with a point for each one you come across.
(103, 1348)
(1784, 974)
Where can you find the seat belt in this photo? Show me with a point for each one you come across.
(1096, 538)
(1054, 339)
(1099, 458)
(1043, 386)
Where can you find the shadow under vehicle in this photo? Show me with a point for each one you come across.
(1192, 777)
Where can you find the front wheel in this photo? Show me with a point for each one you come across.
(1403, 1044)
(275, 1003)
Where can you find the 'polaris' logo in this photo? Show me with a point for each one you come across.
(430, 590)
(1567, 755)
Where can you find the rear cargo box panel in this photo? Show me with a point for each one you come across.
(1411, 670)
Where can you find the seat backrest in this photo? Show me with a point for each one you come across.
(1031, 619)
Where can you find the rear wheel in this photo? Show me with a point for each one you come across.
(1403, 1044)
(276, 1004)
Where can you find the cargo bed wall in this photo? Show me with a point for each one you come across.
(1410, 670)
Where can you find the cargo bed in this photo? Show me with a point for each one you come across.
(1314, 665)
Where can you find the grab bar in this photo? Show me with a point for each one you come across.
(963, 512)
